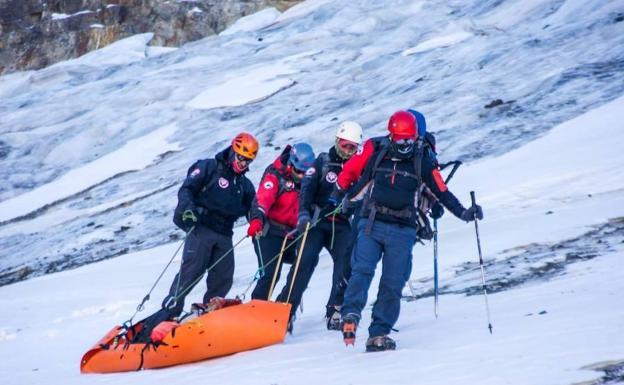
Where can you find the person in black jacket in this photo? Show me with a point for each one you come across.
(214, 195)
(332, 232)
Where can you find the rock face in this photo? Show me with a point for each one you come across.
(37, 33)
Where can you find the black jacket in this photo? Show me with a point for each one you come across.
(216, 193)
(396, 184)
(318, 184)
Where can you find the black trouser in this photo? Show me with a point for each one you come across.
(270, 246)
(318, 237)
(202, 249)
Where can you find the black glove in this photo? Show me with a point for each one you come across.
(189, 217)
(472, 212)
(336, 196)
(437, 210)
(303, 221)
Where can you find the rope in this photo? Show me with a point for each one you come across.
(284, 248)
(141, 306)
(192, 284)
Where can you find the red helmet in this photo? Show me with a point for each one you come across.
(402, 125)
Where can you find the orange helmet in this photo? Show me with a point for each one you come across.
(246, 145)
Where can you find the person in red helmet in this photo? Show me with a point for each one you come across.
(389, 175)
(214, 195)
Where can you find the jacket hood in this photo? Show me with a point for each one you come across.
(226, 156)
(281, 163)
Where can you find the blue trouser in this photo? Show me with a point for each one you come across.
(394, 242)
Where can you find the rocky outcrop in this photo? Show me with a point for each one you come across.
(37, 33)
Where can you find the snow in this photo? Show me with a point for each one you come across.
(438, 42)
(258, 83)
(110, 136)
(125, 159)
(253, 22)
(582, 323)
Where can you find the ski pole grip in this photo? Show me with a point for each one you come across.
(472, 198)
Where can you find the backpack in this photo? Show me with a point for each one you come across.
(424, 198)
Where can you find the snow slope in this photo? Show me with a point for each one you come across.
(546, 330)
(93, 149)
(286, 77)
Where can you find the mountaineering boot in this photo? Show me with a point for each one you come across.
(380, 343)
(291, 323)
(348, 326)
(333, 318)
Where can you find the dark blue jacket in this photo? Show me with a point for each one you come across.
(318, 184)
(216, 193)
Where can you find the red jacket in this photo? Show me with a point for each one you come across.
(277, 198)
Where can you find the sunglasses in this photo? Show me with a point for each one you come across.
(243, 159)
(347, 146)
(298, 171)
(404, 142)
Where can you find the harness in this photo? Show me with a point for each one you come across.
(422, 199)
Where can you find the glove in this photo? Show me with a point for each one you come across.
(472, 212)
(437, 210)
(303, 221)
(336, 196)
(255, 227)
(189, 218)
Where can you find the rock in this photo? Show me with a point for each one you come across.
(38, 33)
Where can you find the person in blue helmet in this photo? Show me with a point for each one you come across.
(429, 147)
(274, 214)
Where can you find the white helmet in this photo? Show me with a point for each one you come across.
(350, 131)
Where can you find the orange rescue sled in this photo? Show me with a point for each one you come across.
(229, 330)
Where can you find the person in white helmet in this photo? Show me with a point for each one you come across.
(332, 232)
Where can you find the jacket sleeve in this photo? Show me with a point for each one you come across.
(196, 178)
(434, 180)
(265, 196)
(309, 186)
(354, 167)
(250, 194)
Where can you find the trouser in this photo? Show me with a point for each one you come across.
(318, 237)
(394, 244)
(267, 248)
(202, 249)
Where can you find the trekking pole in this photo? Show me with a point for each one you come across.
(303, 241)
(435, 268)
(279, 261)
(436, 305)
(476, 222)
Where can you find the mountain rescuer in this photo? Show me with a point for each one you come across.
(214, 195)
(274, 215)
(333, 231)
(392, 173)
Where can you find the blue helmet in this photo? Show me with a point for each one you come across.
(301, 156)
(421, 123)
